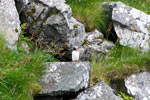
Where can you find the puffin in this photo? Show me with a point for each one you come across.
(75, 54)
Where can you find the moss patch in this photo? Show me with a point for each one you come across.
(75, 26)
(85, 42)
(16, 30)
(33, 10)
(29, 13)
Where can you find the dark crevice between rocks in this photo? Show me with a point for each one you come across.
(18, 5)
(64, 96)
(111, 34)
(40, 2)
(66, 57)
(119, 86)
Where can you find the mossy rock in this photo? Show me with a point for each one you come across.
(29, 13)
(85, 42)
(89, 28)
(35, 88)
(75, 34)
(75, 26)
(33, 23)
(33, 10)
(50, 14)
(57, 11)
(16, 30)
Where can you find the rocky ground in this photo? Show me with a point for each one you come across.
(52, 21)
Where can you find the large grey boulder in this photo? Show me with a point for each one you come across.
(65, 77)
(101, 91)
(138, 86)
(52, 21)
(132, 26)
(9, 22)
(94, 43)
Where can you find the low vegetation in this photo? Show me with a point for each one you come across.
(119, 63)
(89, 12)
(20, 70)
(124, 96)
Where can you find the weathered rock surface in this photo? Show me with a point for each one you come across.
(9, 22)
(20, 4)
(138, 86)
(100, 91)
(65, 77)
(94, 43)
(52, 21)
(131, 25)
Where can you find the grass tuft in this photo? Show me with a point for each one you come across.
(20, 72)
(124, 96)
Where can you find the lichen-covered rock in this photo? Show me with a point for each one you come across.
(138, 86)
(52, 21)
(131, 25)
(100, 91)
(61, 78)
(94, 43)
(9, 22)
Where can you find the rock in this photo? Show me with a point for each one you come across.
(94, 43)
(138, 86)
(133, 31)
(20, 4)
(9, 22)
(94, 36)
(62, 78)
(52, 21)
(100, 91)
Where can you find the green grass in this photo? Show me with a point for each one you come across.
(88, 12)
(143, 5)
(124, 96)
(119, 63)
(91, 13)
(20, 72)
